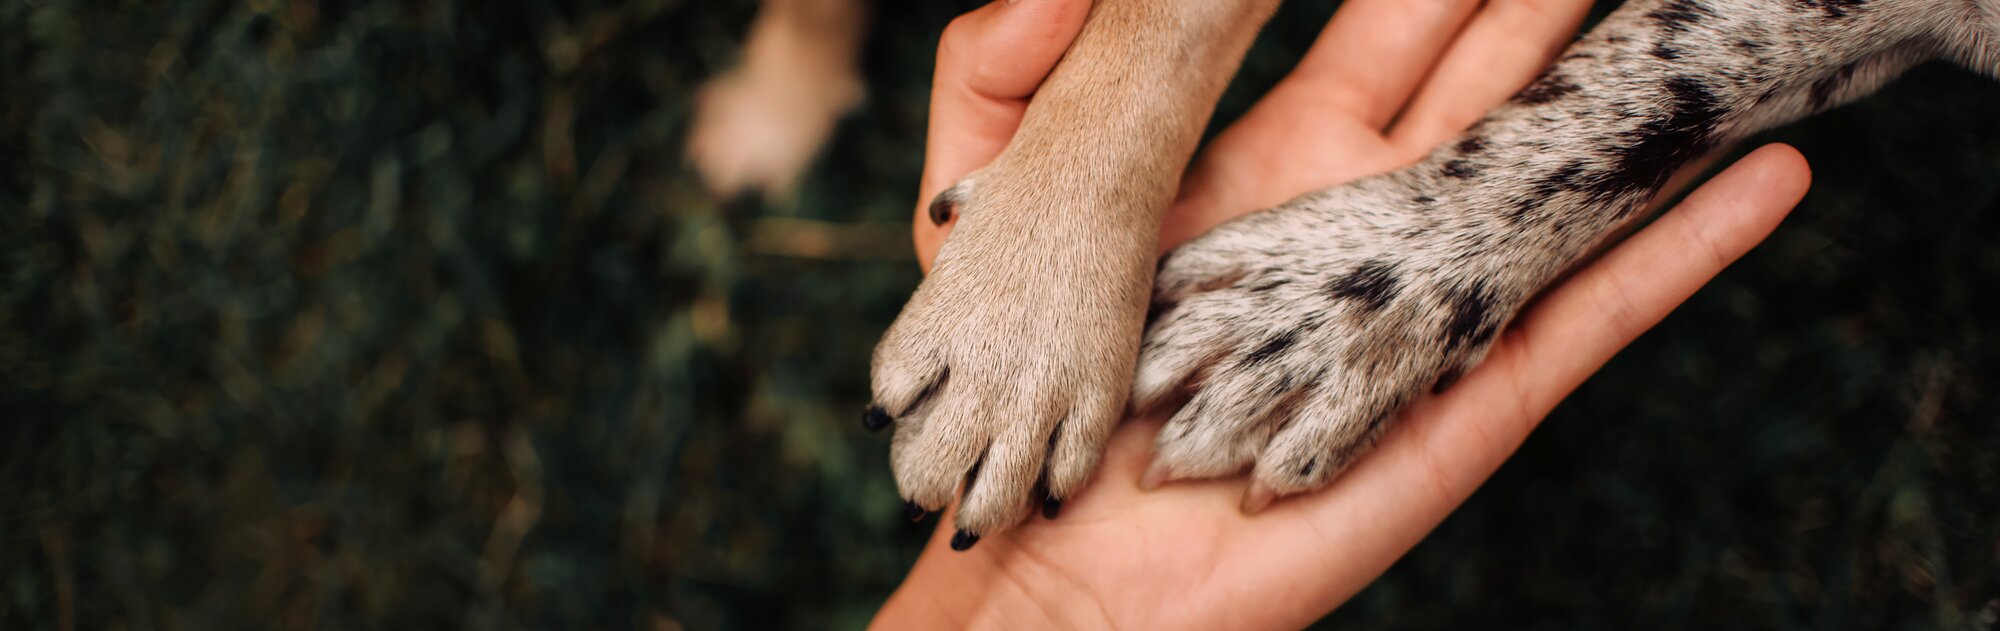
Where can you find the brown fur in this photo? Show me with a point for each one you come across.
(756, 127)
(1017, 352)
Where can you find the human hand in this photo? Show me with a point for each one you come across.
(989, 63)
(1184, 555)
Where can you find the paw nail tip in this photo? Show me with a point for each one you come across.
(963, 541)
(875, 418)
(1155, 476)
(1257, 499)
(1051, 507)
(941, 209)
(913, 512)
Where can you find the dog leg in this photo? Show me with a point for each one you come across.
(1012, 361)
(1302, 330)
(757, 126)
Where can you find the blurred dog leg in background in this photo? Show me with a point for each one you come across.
(758, 125)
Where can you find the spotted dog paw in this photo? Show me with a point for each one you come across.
(1300, 331)
(1011, 363)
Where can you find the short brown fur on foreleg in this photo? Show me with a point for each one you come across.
(1011, 363)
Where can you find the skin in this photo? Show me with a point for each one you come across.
(1184, 555)
(1011, 363)
(1295, 334)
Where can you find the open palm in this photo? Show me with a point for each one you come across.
(1387, 81)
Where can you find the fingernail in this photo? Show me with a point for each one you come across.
(1051, 507)
(913, 512)
(875, 418)
(963, 541)
(1257, 498)
(1155, 476)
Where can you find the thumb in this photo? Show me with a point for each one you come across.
(989, 63)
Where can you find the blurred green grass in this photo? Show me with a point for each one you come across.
(344, 314)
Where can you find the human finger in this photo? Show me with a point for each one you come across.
(990, 62)
(1502, 49)
(1445, 447)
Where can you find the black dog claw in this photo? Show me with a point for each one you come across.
(913, 512)
(1051, 507)
(945, 205)
(963, 541)
(875, 418)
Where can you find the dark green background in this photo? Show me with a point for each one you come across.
(410, 315)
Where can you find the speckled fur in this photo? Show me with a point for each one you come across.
(1296, 334)
(1301, 331)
